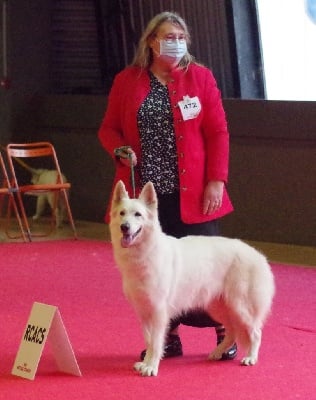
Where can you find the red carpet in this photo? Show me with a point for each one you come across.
(80, 278)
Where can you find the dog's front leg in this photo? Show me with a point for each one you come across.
(154, 332)
(40, 206)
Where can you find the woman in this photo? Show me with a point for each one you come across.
(165, 117)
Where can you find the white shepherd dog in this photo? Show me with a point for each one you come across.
(164, 276)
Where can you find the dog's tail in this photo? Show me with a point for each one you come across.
(23, 164)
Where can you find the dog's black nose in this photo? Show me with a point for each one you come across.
(125, 227)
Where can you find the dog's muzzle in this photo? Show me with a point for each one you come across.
(128, 237)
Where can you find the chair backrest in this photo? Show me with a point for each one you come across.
(38, 149)
(18, 151)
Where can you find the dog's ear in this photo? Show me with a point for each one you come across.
(148, 195)
(119, 192)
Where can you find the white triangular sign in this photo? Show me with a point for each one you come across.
(44, 323)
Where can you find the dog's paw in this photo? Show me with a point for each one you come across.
(215, 355)
(145, 369)
(249, 361)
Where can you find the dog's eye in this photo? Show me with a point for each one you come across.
(138, 214)
(122, 213)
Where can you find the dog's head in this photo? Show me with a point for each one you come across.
(129, 218)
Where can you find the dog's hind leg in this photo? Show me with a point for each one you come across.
(254, 337)
(53, 201)
(220, 312)
(228, 341)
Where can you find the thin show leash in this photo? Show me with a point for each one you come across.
(121, 152)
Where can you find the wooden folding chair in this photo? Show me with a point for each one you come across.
(33, 151)
(8, 191)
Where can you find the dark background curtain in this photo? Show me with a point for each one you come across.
(92, 41)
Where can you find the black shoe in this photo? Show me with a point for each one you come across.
(231, 353)
(173, 348)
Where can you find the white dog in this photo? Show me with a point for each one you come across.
(43, 176)
(164, 276)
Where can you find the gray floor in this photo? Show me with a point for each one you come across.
(284, 253)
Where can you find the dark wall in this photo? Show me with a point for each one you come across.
(28, 52)
(272, 171)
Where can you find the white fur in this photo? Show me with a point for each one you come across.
(45, 177)
(164, 276)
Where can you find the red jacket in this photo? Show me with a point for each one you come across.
(202, 142)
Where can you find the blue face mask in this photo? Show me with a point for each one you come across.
(174, 48)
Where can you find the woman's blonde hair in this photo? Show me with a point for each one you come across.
(143, 56)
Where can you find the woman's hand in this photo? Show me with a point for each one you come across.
(126, 155)
(213, 197)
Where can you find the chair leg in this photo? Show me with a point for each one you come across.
(12, 203)
(23, 221)
(71, 220)
(24, 217)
